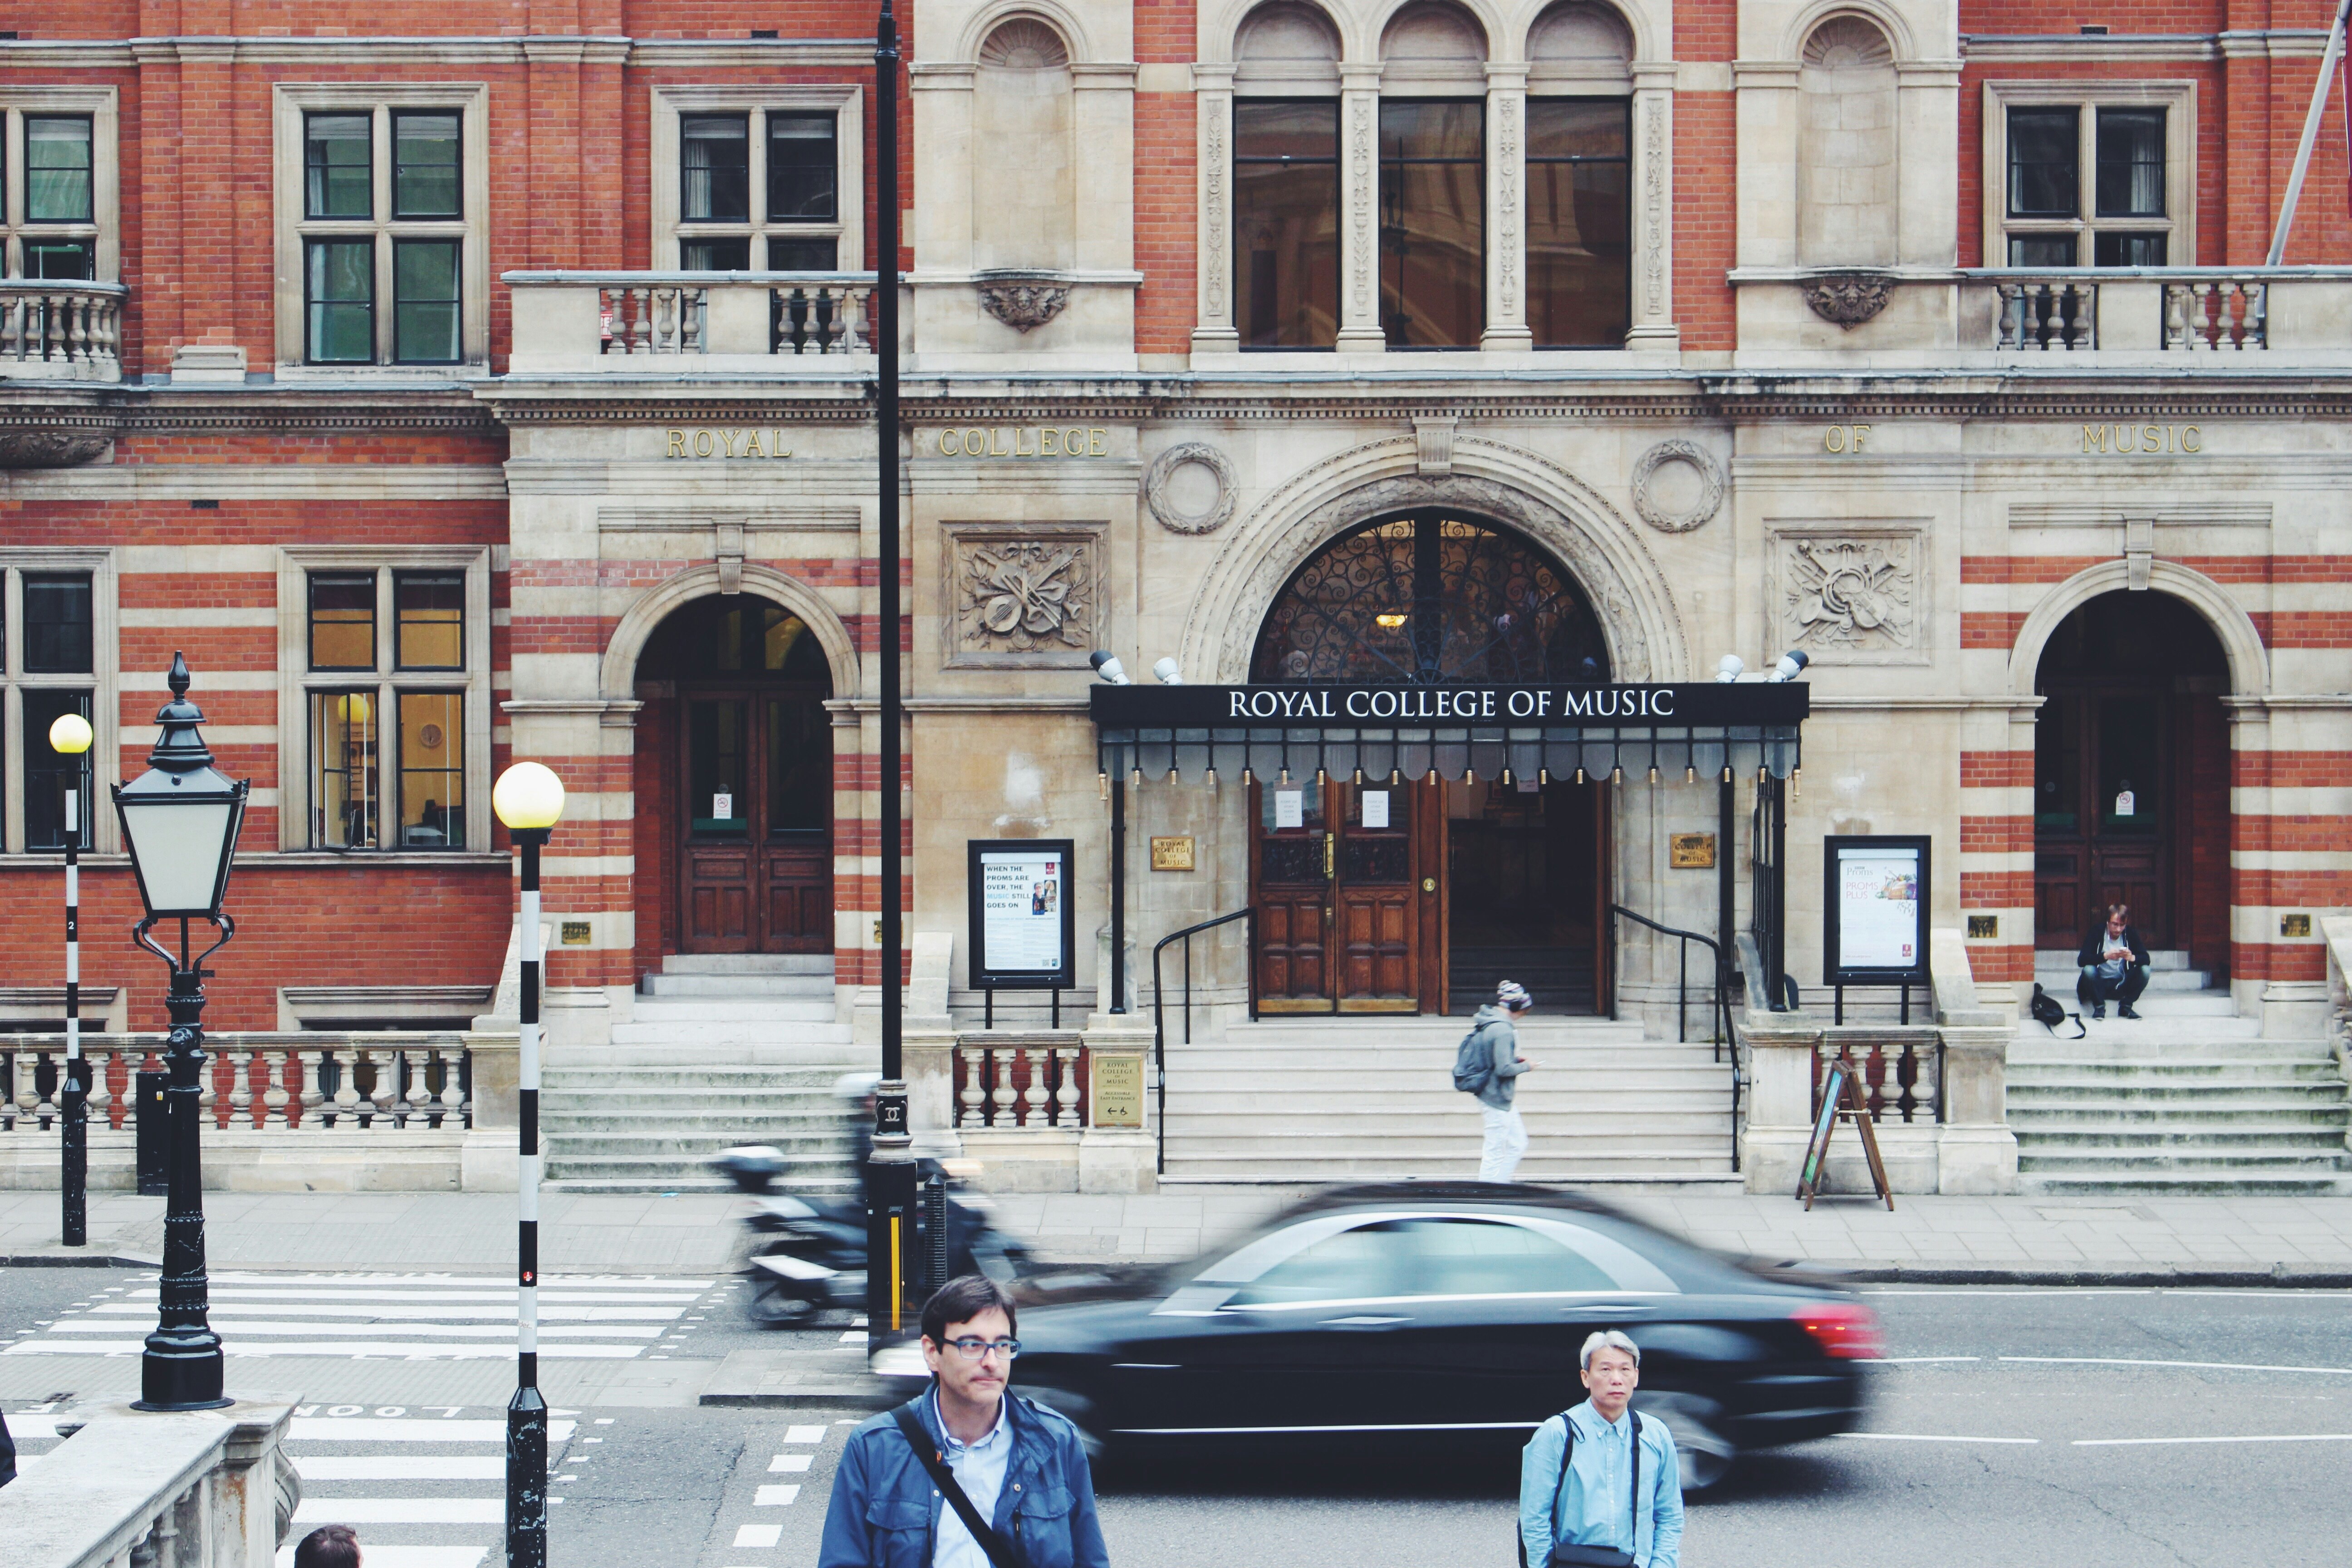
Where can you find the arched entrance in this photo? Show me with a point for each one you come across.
(1389, 896)
(2131, 791)
(737, 747)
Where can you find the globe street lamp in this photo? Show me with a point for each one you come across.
(180, 820)
(70, 737)
(529, 799)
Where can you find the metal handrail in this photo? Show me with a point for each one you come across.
(1159, 1011)
(1720, 1011)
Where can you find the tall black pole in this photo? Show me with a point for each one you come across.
(1727, 793)
(891, 1169)
(73, 1172)
(181, 1368)
(527, 1412)
(1118, 894)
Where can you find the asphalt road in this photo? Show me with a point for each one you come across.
(2092, 1428)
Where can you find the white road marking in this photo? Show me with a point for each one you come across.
(759, 1535)
(1914, 1359)
(854, 1337)
(489, 1300)
(383, 1556)
(400, 1511)
(2151, 1442)
(790, 1464)
(775, 1496)
(227, 1324)
(474, 1282)
(805, 1434)
(2055, 1290)
(401, 1467)
(354, 1350)
(548, 1313)
(2197, 1365)
(1933, 1438)
(393, 1429)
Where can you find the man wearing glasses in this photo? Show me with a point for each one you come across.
(964, 1474)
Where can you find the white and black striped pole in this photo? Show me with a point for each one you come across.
(529, 799)
(70, 737)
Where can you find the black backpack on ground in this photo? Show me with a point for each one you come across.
(2050, 1014)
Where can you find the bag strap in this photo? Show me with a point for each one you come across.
(1560, 1487)
(1633, 1506)
(998, 1549)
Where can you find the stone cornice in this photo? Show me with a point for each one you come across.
(118, 54)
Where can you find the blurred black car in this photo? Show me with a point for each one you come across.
(1446, 1313)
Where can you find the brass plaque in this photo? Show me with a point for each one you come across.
(1691, 851)
(2294, 925)
(1115, 1083)
(1171, 854)
(1984, 928)
(575, 933)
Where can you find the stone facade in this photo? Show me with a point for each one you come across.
(1833, 421)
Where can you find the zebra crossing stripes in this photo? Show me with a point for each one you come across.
(423, 1491)
(416, 1317)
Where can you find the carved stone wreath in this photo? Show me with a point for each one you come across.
(1677, 465)
(1159, 483)
(1849, 299)
(1023, 302)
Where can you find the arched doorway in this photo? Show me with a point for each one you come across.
(737, 745)
(2131, 779)
(1384, 896)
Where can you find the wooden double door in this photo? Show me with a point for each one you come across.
(1349, 896)
(755, 815)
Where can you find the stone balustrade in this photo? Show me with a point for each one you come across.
(60, 330)
(1019, 1081)
(2162, 312)
(128, 1489)
(639, 323)
(317, 1110)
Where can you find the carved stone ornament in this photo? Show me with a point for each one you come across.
(1849, 299)
(1191, 488)
(1677, 486)
(1025, 599)
(1023, 301)
(59, 435)
(1854, 596)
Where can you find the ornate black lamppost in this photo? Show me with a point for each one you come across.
(180, 821)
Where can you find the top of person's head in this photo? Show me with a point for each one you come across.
(2118, 911)
(1514, 997)
(962, 1300)
(329, 1546)
(1608, 1340)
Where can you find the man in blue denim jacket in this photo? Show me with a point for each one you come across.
(1020, 1463)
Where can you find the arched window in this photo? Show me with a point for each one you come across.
(1579, 183)
(1433, 178)
(1426, 599)
(1286, 179)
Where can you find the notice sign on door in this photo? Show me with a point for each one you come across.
(1376, 809)
(1877, 912)
(1021, 926)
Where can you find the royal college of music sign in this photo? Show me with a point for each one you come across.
(1337, 706)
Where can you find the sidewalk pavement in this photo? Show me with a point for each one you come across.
(1927, 1240)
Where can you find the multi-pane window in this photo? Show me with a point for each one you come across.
(50, 650)
(385, 709)
(2087, 185)
(384, 236)
(51, 186)
(1580, 221)
(759, 190)
(1287, 223)
(1432, 223)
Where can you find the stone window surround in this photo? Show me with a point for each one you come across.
(289, 102)
(103, 683)
(1650, 85)
(845, 99)
(295, 682)
(102, 104)
(2179, 158)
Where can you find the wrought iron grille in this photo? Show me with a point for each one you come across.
(1427, 599)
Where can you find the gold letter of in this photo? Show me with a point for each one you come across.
(1859, 432)
(1833, 439)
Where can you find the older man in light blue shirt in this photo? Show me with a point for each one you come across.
(1602, 1500)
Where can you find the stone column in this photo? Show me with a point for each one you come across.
(1360, 212)
(1653, 203)
(1780, 1049)
(928, 1043)
(1976, 1152)
(1119, 1159)
(1214, 331)
(1506, 238)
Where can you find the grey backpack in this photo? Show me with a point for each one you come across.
(1474, 1062)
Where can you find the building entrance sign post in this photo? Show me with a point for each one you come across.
(180, 822)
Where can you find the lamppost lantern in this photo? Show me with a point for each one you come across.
(528, 796)
(180, 821)
(70, 735)
(181, 817)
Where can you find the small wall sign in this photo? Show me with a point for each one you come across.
(1691, 851)
(575, 933)
(1984, 928)
(1171, 854)
(2294, 925)
(1115, 1083)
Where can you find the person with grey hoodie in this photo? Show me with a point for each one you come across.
(1506, 1134)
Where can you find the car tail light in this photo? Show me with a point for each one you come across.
(1844, 1330)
